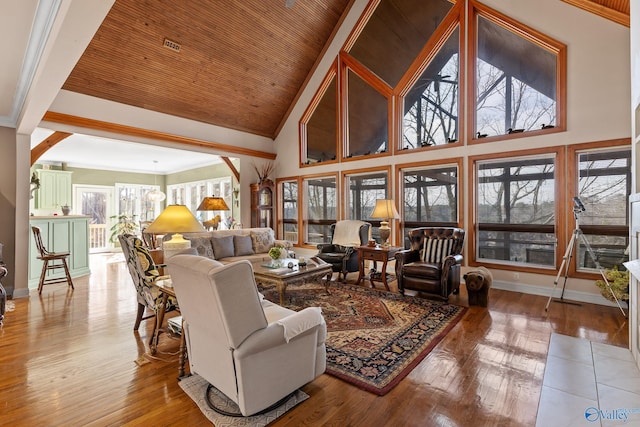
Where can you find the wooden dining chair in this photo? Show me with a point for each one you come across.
(51, 261)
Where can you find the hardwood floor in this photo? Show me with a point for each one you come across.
(69, 359)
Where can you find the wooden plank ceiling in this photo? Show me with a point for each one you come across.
(240, 64)
(615, 10)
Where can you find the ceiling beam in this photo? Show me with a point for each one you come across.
(232, 167)
(46, 144)
(83, 122)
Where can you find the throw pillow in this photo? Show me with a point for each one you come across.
(243, 245)
(262, 240)
(203, 245)
(435, 250)
(222, 246)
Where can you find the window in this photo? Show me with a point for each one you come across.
(132, 202)
(515, 81)
(516, 210)
(321, 208)
(320, 124)
(364, 190)
(191, 194)
(290, 211)
(431, 107)
(515, 78)
(398, 30)
(368, 118)
(430, 197)
(604, 186)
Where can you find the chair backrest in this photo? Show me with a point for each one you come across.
(141, 267)
(221, 308)
(38, 238)
(350, 232)
(436, 243)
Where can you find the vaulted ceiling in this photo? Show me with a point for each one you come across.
(236, 64)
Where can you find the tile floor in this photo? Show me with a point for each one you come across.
(588, 384)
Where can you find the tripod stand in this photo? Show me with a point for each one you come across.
(566, 258)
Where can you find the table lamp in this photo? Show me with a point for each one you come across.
(213, 203)
(385, 210)
(175, 219)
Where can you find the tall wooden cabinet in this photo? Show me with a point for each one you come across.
(262, 204)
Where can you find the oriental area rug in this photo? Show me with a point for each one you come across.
(374, 338)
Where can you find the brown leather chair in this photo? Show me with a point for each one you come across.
(432, 264)
(342, 252)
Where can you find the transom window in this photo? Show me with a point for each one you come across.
(515, 82)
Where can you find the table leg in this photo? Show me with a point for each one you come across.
(281, 288)
(374, 270)
(159, 319)
(327, 281)
(384, 273)
(361, 269)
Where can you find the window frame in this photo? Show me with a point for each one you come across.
(304, 207)
(281, 220)
(573, 152)
(400, 170)
(534, 36)
(560, 211)
(331, 74)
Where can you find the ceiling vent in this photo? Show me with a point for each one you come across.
(171, 45)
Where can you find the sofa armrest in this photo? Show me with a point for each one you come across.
(326, 247)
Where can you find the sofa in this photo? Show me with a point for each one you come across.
(228, 246)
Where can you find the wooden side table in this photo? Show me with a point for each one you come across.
(166, 290)
(375, 254)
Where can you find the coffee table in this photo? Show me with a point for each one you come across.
(279, 274)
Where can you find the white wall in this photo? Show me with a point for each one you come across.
(598, 97)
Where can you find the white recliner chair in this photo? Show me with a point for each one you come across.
(252, 350)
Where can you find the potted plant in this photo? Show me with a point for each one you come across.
(124, 225)
(619, 282)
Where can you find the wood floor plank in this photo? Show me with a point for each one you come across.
(69, 358)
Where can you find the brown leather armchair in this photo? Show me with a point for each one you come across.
(432, 264)
(342, 253)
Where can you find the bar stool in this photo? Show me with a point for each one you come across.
(49, 263)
